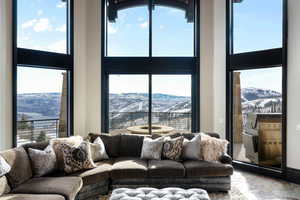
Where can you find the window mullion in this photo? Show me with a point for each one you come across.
(150, 105)
(150, 27)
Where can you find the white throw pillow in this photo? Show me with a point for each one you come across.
(212, 148)
(98, 150)
(192, 148)
(152, 149)
(4, 166)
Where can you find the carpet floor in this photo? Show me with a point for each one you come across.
(248, 186)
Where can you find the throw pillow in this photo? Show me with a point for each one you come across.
(19, 162)
(212, 148)
(4, 166)
(172, 148)
(98, 150)
(77, 158)
(42, 161)
(192, 148)
(4, 187)
(152, 149)
(56, 145)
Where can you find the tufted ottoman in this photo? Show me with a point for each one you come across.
(159, 194)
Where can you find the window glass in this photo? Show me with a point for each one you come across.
(41, 104)
(171, 102)
(128, 32)
(257, 110)
(173, 31)
(257, 25)
(42, 25)
(128, 102)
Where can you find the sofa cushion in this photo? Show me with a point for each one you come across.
(196, 169)
(65, 186)
(111, 143)
(192, 148)
(4, 187)
(129, 167)
(165, 169)
(131, 145)
(36, 145)
(172, 148)
(4, 166)
(98, 150)
(19, 162)
(152, 149)
(42, 161)
(92, 176)
(31, 197)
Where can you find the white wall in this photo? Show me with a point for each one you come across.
(5, 75)
(293, 111)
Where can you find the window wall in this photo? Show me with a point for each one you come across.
(42, 70)
(150, 71)
(256, 82)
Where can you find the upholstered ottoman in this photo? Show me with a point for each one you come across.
(158, 194)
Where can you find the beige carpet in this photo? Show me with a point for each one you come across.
(248, 186)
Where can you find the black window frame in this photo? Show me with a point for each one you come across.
(46, 60)
(268, 58)
(151, 66)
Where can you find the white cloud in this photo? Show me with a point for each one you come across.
(161, 26)
(29, 23)
(62, 28)
(144, 25)
(140, 19)
(61, 5)
(59, 46)
(42, 24)
(111, 29)
(40, 12)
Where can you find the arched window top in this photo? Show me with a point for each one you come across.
(115, 5)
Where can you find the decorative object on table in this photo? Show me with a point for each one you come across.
(172, 148)
(98, 151)
(77, 158)
(152, 149)
(43, 162)
(192, 148)
(159, 194)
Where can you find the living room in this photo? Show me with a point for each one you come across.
(178, 99)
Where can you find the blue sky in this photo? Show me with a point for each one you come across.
(42, 26)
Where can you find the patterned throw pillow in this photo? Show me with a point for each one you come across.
(42, 162)
(4, 187)
(212, 148)
(172, 148)
(152, 149)
(56, 145)
(192, 148)
(77, 158)
(4, 166)
(98, 150)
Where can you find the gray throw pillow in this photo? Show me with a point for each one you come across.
(152, 149)
(4, 166)
(98, 150)
(192, 148)
(172, 148)
(43, 162)
(77, 158)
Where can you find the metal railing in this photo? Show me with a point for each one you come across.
(36, 130)
(177, 120)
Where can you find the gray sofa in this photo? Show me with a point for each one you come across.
(123, 169)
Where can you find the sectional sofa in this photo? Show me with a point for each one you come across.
(123, 169)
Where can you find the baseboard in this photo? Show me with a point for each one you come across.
(293, 175)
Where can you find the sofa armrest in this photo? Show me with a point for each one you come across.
(226, 159)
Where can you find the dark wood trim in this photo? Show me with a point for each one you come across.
(292, 175)
(256, 59)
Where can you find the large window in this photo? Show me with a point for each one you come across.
(256, 81)
(42, 70)
(150, 74)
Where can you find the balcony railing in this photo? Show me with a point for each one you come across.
(177, 120)
(36, 130)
